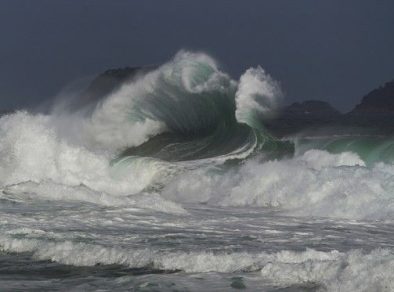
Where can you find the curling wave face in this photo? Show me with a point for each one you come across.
(186, 110)
(189, 132)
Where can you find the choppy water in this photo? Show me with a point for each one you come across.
(171, 183)
(59, 245)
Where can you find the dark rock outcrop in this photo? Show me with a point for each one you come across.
(380, 100)
(312, 107)
(376, 110)
(299, 116)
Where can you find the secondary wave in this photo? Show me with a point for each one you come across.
(370, 148)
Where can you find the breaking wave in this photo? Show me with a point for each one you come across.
(187, 132)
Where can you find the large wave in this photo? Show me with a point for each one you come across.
(188, 101)
(186, 131)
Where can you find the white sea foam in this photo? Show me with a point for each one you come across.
(32, 150)
(352, 271)
(329, 271)
(48, 190)
(83, 254)
(315, 184)
(37, 163)
(257, 94)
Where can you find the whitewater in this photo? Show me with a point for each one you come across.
(172, 183)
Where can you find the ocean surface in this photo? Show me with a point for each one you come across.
(172, 183)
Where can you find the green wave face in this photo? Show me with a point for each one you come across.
(371, 149)
(197, 104)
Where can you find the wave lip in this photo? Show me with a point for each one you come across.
(258, 97)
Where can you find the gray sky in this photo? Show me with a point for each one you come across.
(332, 50)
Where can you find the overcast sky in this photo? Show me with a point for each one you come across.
(334, 50)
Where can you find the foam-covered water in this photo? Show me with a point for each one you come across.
(171, 183)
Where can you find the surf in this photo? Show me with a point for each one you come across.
(188, 132)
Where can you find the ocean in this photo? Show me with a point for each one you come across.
(173, 183)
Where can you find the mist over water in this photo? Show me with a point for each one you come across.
(173, 177)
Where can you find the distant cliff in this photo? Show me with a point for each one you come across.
(299, 116)
(312, 107)
(380, 100)
(375, 111)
